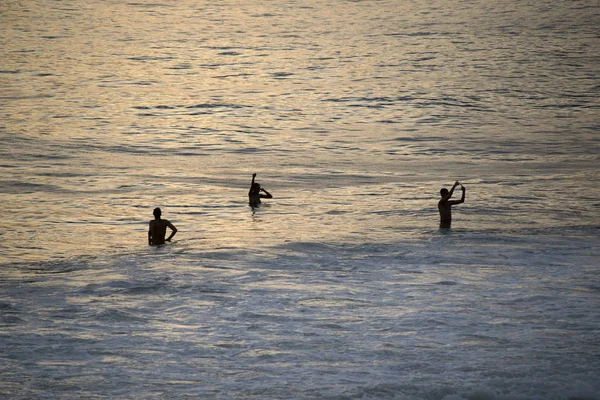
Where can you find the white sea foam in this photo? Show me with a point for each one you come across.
(354, 114)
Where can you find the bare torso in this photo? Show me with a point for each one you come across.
(158, 230)
(254, 199)
(445, 209)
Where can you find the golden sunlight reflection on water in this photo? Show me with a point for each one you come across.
(353, 114)
(353, 123)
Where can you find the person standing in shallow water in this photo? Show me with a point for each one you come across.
(445, 204)
(254, 194)
(158, 229)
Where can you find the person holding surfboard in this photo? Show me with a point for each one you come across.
(158, 229)
(254, 194)
(445, 204)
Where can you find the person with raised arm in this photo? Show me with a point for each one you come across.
(445, 204)
(158, 229)
(254, 194)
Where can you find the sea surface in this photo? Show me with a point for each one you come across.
(353, 114)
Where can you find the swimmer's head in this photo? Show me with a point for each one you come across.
(444, 192)
(157, 212)
(256, 187)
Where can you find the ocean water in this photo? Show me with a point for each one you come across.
(353, 114)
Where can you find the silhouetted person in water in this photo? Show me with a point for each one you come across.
(254, 194)
(158, 229)
(445, 204)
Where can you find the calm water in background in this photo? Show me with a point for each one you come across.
(354, 114)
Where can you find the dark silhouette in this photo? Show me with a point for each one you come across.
(254, 194)
(445, 204)
(158, 229)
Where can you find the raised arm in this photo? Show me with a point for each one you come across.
(447, 197)
(462, 199)
(251, 183)
(173, 230)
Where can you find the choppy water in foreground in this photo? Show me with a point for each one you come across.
(354, 114)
